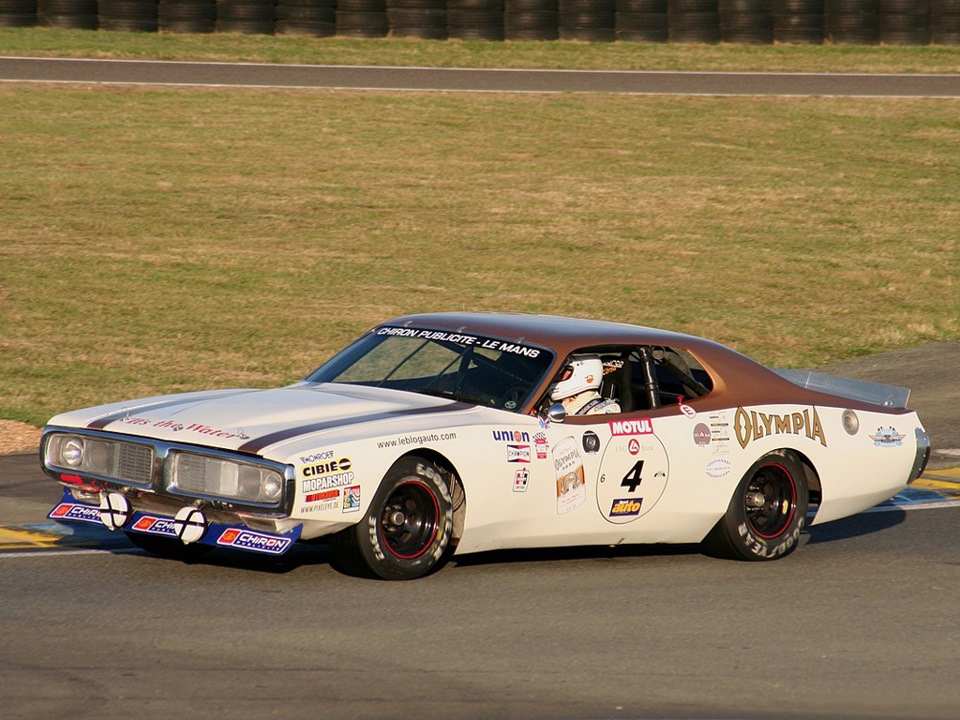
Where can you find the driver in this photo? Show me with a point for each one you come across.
(577, 384)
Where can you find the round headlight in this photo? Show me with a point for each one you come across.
(272, 486)
(851, 423)
(72, 452)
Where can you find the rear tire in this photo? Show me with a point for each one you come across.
(406, 529)
(766, 514)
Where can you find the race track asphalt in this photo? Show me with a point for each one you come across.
(860, 623)
(474, 80)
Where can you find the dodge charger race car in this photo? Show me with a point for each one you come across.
(438, 434)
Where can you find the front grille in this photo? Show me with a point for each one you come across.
(134, 463)
(194, 473)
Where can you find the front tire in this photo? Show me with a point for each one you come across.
(767, 511)
(406, 529)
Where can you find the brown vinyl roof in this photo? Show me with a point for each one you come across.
(738, 380)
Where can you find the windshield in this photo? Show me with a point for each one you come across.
(469, 368)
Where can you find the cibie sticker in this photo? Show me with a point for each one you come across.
(571, 486)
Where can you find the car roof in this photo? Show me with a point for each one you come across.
(562, 334)
(737, 379)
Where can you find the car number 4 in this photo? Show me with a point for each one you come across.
(632, 479)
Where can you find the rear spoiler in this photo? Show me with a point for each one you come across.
(889, 396)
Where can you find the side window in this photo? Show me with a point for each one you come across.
(649, 376)
(614, 382)
(665, 376)
(679, 375)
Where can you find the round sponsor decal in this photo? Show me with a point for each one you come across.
(701, 434)
(688, 411)
(631, 484)
(718, 468)
(591, 443)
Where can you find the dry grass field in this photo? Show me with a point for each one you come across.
(160, 240)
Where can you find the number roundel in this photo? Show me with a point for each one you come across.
(635, 472)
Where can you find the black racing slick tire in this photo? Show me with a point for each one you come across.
(766, 514)
(406, 530)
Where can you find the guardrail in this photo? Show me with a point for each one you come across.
(851, 22)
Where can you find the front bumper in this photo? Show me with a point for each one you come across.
(188, 525)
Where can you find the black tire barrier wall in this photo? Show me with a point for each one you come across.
(860, 22)
(187, 16)
(18, 13)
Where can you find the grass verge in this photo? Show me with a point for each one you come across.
(52, 42)
(158, 240)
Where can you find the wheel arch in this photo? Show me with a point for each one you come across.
(814, 486)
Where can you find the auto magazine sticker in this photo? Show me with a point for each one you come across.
(571, 486)
(351, 499)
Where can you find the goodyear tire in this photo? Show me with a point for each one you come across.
(407, 527)
(766, 514)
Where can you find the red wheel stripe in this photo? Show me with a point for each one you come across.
(793, 503)
(436, 514)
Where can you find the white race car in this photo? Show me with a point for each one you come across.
(448, 433)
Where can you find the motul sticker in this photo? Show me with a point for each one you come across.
(643, 426)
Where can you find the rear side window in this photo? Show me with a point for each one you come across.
(647, 376)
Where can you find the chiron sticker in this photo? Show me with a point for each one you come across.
(155, 526)
(76, 511)
(250, 540)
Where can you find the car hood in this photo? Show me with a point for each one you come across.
(253, 420)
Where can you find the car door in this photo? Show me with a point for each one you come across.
(618, 464)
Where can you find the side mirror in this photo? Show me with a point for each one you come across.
(556, 413)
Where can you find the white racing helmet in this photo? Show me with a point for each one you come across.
(581, 373)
